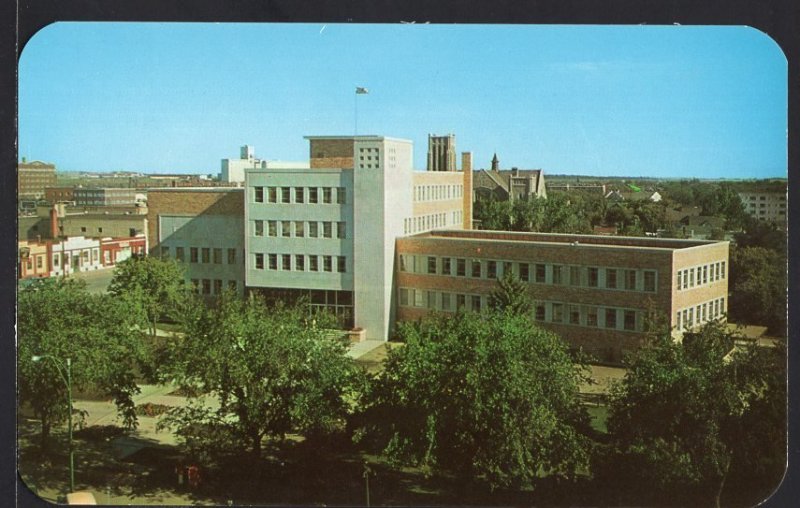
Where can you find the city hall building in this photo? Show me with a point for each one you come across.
(360, 233)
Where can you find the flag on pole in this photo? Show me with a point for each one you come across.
(361, 90)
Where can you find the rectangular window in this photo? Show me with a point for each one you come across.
(540, 273)
(417, 297)
(232, 285)
(217, 286)
(286, 262)
(193, 254)
(430, 299)
(326, 195)
(461, 267)
(404, 297)
(231, 256)
(629, 320)
(524, 272)
(611, 278)
(558, 313)
(558, 274)
(630, 280)
(259, 194)
(678, 321)
(299, 195)
(508, 267)
(206, 286)
(611, 318)
(286, 228)
(722, 269)
(539, 312)
(574, 315)
(300, 262)
(685, 279)
(313, 229)
(273, 261)
(650, 281)
(259, 261)
(431, 265)
(705, 274)
(593, 276)
(476, 268)
(476, 303)
(341, 230)
(313, 263)
(341, 264)
(446, 266)
(164, 251)
(313, 194)
(272, 194)
(678, 279)
(327, 263)
(286, 193)
(327, 230)
(591, 316)
(206, 254)
(179, 254)
(575, 275)
(258, 227)
(299, 229)
(461, 301)
(446, 301)
(491, 269)
(341, 195)
(217, 256)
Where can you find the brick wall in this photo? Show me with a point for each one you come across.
(331, 153)
(220, 201)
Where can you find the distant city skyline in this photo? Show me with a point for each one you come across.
(654, 101)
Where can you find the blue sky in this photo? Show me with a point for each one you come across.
(670, 101)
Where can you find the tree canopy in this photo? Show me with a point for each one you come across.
(511, 295)
(488, 397)
(153, 287)
(555, 214)
(272, 369)
(681, 420)
(758, 280)
(61, 320)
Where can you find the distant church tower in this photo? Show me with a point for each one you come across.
(495, 163)
(441, 152)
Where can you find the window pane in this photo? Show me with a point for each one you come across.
(273, 261)
(341, 230)
(286, 228)
(300, 262)
(259, 261)
(231, 256)
(259, 194)
(272, 194)
(299, 195)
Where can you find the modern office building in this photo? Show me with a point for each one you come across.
(329, 232)
(233, 170)
(766, 206)
(594, 291)
(33, 178)
(204, 229)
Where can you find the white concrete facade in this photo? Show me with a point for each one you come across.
(79, 254)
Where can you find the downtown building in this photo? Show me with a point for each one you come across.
(360, 233)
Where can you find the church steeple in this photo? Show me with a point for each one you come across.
(495, 163)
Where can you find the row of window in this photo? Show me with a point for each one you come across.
(312, 195)
(591, 316)
(299, 229)
(300, 262)
(413, 225)
(686, 319)
(628, 279)
(212, 286)
(697, 276)
(212, 255)
(437, 192)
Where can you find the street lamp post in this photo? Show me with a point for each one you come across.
(68, 382)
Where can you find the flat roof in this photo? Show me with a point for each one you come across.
(568, 239)
(365, 137)
(194, 189)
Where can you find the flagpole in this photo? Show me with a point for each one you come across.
(355, 129)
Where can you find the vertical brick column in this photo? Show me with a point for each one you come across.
(466, 167)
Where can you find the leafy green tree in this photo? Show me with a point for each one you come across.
(273, 370)
(761, 234)
(759, 284)
(511, 295)
(63, 321)
(494, 215)
(681, 419)
(153, 287)
(488, 397)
